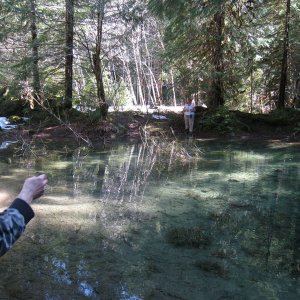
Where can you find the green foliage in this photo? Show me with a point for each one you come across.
(251, 48)
(220, 120)
(11, 107)
(95, 116)
(296, 129)
(72, 115)
(41, 117)
(87, 96)
(117, 94)
(52, 88)
(280, 117)
(207, 59)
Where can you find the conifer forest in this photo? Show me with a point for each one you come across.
(242, 54)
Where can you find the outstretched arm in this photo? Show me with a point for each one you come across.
(33, 188)
(14, 219)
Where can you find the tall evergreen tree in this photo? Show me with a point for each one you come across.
(284, 66)
(97, 61)
(196, 37)
(35, 50)
(69, 44)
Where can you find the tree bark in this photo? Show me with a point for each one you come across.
(216, 94)
(35, 51)
(173, 87)
(284, 66)
(97, 65)
(129, 80)
(69, 37)
(137, 62)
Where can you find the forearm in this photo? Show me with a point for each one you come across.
(13, 222)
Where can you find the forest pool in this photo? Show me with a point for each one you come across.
(160, 220)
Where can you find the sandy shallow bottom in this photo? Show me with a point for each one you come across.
(137, 223)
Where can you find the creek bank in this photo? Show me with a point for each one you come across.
(133, 126)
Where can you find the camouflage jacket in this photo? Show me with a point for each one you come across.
(13, 222)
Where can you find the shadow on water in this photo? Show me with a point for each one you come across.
(162, 220)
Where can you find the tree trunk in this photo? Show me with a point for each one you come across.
(153, 90)
(171, 71)
(97, 65)
(216, 93)
(67, 103)
(129, 80)
(173, 87)
(35, 52)
(297, 94)
(283, 76)
(139, 91)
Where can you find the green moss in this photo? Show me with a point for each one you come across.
(15, 119)
(221, 216)
(187, 237)
(211, 267)
(152, 268)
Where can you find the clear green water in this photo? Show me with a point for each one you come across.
(158, 221)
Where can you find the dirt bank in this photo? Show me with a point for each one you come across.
(133, 126)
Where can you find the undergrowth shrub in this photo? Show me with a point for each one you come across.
(11, 107)
(281, 117)
(95, 116)
(220, 120)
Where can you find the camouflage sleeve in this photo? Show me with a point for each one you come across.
(12, 225)
(13, 222)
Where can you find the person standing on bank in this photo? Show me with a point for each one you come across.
(189, 115)
(15, 218)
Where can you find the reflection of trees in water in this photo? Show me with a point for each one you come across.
(122, 174)
(280, 222)
(252, 230)
(118, 175)
(266, 221)
(128, 179)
